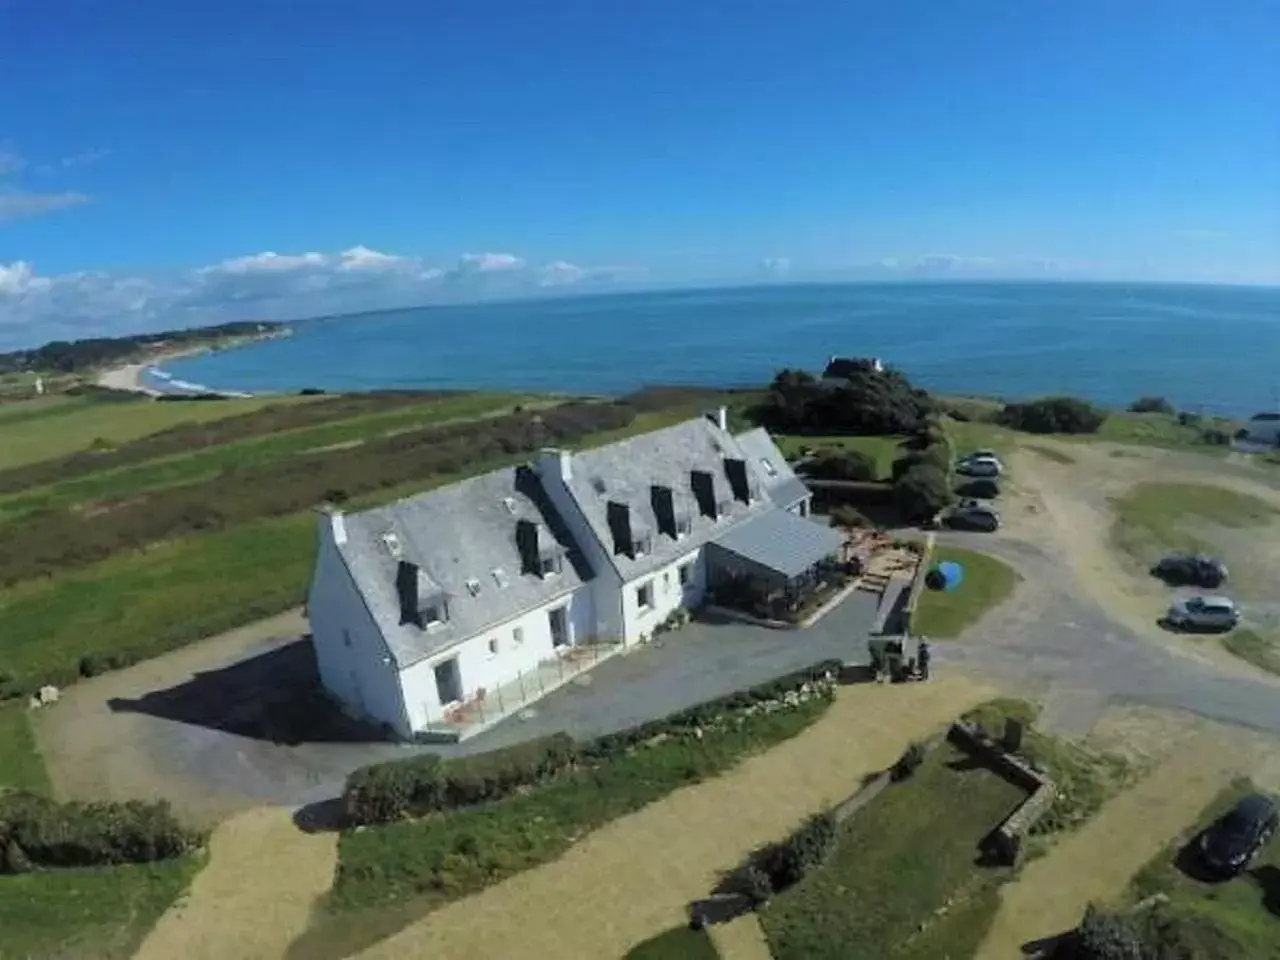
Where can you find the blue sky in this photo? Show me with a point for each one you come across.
(151, 153)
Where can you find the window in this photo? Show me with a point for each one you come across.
(510, 504)
(549, 564)
(769, 468)
(685, 572)
(473, 587)
(493, 646)
(644, 596)
(518, 635)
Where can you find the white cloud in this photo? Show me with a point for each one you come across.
(268, 285)
(16, 204)
(84, 158)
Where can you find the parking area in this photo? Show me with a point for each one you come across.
(236, 721)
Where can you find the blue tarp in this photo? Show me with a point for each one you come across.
(946, 575)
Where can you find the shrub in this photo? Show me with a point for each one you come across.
(843, 465)
(384, 792)
(1104, 935)
(1187, 419)
(36, 832)
(847, 515)
(865, 401)
(936, 455)
(908, 763)
(921, 491)
(1151, 405)
(751, 882)
(1215, 436)
(1052, 415)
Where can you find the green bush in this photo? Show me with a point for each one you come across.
(384, 792)
(847, 515)
(750, 881)
(1151, 405)
(843, 465)
(908, 763)
(921, 491)
(37, 832)
(1052, 415)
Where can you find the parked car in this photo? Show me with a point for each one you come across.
(1234, 840)
(973, 515)
(1203, 613)
(984, 488)
(1194, 570)
(979, 467)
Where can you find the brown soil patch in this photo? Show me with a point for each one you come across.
(635, 877)
(1096, 862)
(256, 894)
(93, 753)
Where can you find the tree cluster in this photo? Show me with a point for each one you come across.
(1152, 405)
(63, 356)
(866, 402)
(1052, 415)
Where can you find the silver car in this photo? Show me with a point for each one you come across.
(1203, 613)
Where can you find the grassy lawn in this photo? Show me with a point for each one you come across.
(883, 450)
(103, 914)
(987, 583)
(679, 943)
(76, 424)
(1159, 430)
(1151, 518)
(390, 876)
(20, 763)
(896, 863)
(976, 435)
(208, 463)
(1246, 909)
(1250, 645)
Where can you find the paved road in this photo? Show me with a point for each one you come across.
(1053, 636)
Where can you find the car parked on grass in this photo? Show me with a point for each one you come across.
(1235, 839)
(980, 463)
(973, 515)
(1203, 613)
(1193, 570)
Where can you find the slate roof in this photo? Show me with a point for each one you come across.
(627, 471)
(782, 485)
(782, 542)
(454, 534)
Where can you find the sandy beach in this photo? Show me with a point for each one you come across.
(129, 376)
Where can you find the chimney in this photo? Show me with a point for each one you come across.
(557, 463)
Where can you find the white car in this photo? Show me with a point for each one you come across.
(1203, 613)
(980, 464)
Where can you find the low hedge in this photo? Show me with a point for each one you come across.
(36, 832)
(384, 792)
(401, 789)
(780, 866)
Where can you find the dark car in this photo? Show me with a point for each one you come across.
(1230, 845)
(982, 488)
(1192, 570)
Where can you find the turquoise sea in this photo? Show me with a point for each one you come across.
(1207, 348)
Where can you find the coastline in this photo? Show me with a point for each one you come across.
(131, 377)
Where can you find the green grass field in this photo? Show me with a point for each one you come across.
(1245, 909)
(98, 914)
(54, 426)
(883, 450)
(1253, 646)
(1154, 517)
(208, 463)
(896, 863)
(987, 583)
(21, 767)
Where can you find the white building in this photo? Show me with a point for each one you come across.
(444, 599)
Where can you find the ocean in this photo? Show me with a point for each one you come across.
(1206, 348)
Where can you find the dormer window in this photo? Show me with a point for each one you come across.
(768, 466)
(684, 525)
(499, 577)
(510, 504)
(434, 615)
(473, 587)
(643, 545)
(549, 564)
(722, 508)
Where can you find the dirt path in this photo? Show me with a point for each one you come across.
(740, 939)
(635, 877)
(1097, 862)
(255, 895)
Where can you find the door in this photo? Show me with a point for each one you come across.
(559, 621)
(448, 683)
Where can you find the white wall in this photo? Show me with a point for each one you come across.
(478, 667)
(351, 655)
(605, 585)
(667, 595)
